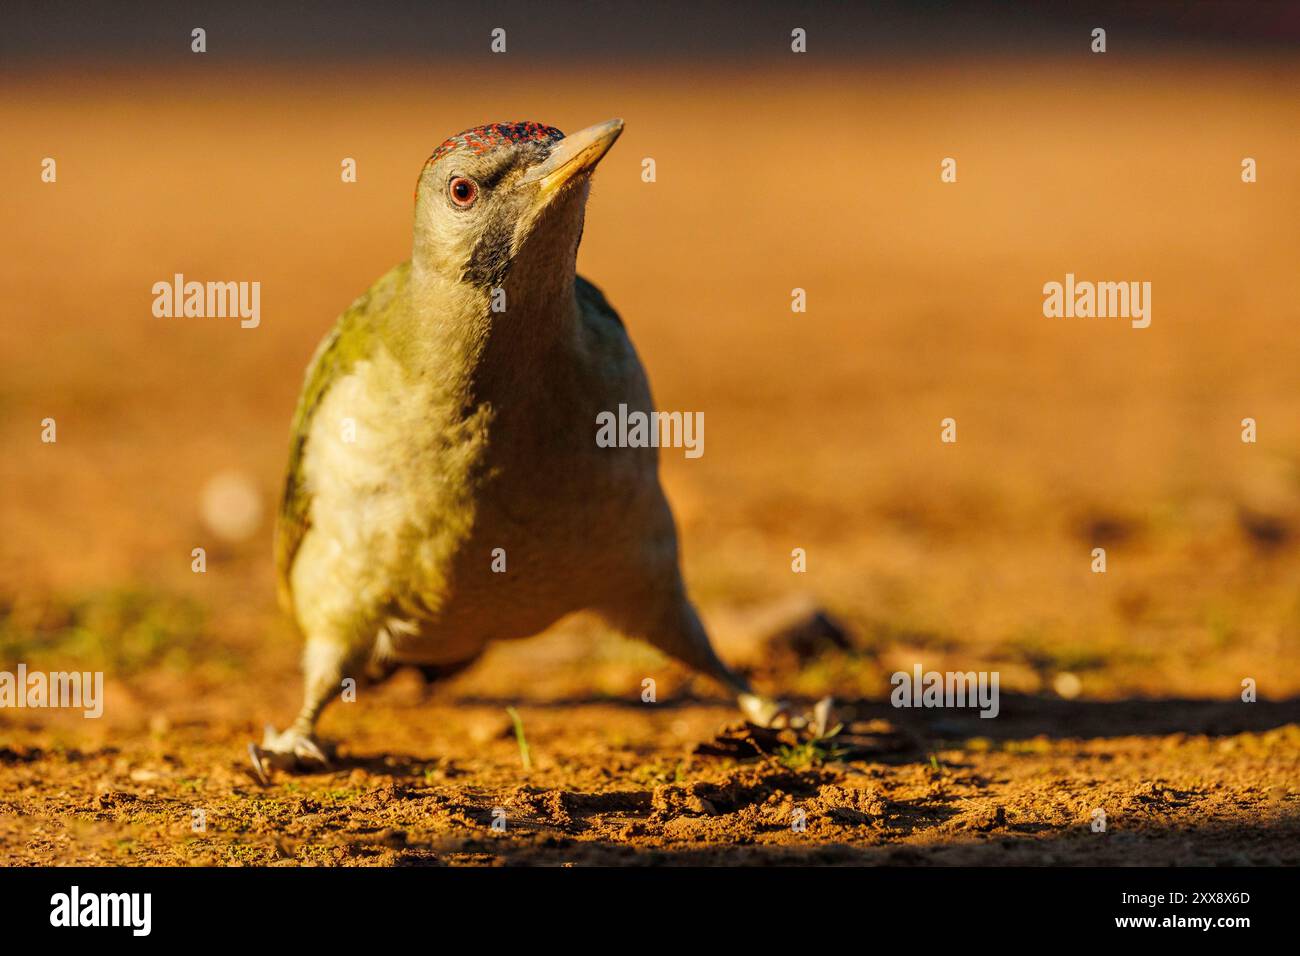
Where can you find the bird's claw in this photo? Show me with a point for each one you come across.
(778, 714)
(763, 711)
(290, 750)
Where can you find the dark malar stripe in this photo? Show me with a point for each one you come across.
(491, 256)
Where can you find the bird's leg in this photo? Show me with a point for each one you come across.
(673, 626)
(325, 663)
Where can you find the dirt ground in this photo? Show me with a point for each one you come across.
(1120, 691)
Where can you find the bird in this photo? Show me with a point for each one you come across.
(444, 487)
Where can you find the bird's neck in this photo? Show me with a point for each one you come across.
(488, 344)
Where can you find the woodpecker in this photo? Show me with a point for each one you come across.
(445, 488)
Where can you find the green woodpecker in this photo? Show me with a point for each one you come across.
(444, 487)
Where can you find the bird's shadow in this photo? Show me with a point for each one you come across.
(1007, 842)
(1020, 716)
(919, 730)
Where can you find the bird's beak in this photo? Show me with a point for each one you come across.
(575, 154)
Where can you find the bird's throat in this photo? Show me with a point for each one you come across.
(487, 344)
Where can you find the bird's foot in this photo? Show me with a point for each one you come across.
(290, 750)
(778, 714)
(764, 711)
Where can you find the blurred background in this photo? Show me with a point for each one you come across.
(774, 171)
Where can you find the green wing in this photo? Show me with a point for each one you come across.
(335, 356)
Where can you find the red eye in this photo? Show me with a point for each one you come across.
(463, 191)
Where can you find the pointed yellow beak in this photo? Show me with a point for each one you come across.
(575, 154)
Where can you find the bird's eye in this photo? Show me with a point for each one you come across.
(463, 191)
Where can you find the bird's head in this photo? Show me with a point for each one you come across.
(506, 198)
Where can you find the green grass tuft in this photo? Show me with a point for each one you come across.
(519, 736)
